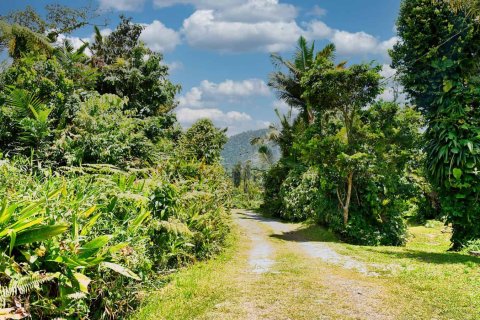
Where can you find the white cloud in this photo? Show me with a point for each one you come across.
(237, 88)
(203, 101)
(265, 25)
(192, 99)
(174, 65)
(393, 90)
(210, 93)
(352, 43)
(187, 115)
(349, 43)
(200, 4)
(316, 30)
(317, 11)
(387, 71)
(235, 121)
(202, 29)
(159, 38)
(361, 43)
(258, 11)
(122, 5)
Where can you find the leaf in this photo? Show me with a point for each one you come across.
(136, 223)
(40, 234)
(457, 173)
(121, 269)
(447, 85)
(86, 229)
(97, 243)
(7, 211)
(83, 281)
(470, 146)
(88, 212)
(13, 237)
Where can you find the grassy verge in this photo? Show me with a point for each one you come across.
(425, 280)
(194, 290)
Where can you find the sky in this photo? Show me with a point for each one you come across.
(219, 50)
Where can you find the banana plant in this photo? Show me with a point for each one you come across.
(26, 225)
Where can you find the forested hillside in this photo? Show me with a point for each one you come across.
(240, 149)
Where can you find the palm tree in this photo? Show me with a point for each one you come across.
(281, 134)
(19, 39)
(288, 85)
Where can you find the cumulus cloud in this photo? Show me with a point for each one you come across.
(269, 26)
(361, 43)
(393, 90)
(248, 25)
(122, 5)
(203, 101)
(159, 38)
(235, 121)
(202, 29)
(317, 11)
(349, 43)
(199, 4)
(210, 93)
(188, 116)
(258, 11)
(174, 65)
(317, 30)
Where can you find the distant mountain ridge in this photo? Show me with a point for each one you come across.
(239, 149)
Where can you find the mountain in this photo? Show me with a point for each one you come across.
(238, 148)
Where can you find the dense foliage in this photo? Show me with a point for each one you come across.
(101, 193)
(349, 161)
(437, 59)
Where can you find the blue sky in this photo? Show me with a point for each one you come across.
(219, 50)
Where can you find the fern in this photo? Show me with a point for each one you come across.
(23, 285)
(174, 226)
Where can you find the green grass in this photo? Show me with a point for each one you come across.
(425, 279)
(192, 291)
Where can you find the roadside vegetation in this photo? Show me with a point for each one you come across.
(101, 192)
(361, 166)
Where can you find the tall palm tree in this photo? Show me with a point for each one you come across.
(287, 85)
(19, 39)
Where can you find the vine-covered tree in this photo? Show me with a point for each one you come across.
(438, 63)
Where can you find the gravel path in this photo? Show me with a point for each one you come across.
(363, 296)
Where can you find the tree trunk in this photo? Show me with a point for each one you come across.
(345, 205)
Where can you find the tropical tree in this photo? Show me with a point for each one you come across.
(287, 85)
(237, 174)
(203, 141)
(343, 92)
(437, 62)
(129, 69)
